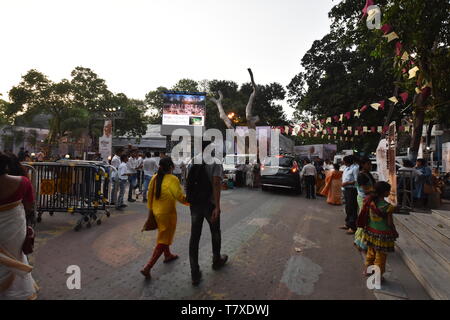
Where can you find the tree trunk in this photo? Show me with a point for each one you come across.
(417, 132)
(222, 113)
(251, 120)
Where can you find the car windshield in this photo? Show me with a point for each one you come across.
(278, 161)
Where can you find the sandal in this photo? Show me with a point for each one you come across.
(171, 258)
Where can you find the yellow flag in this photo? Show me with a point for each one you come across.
(357, 113)
(364, 129)
(405, 56)
(406, 128)
(380, 129)
(418, 91)
(393, 99)
(341, 117)
(328, 120)
(412, 72)
(391, 36)
(375, 106)
(335, 130)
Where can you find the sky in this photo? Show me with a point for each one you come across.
(139, 45)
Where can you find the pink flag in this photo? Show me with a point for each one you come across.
(373, 129)
(348, 115)
(398, 48)
(336, 118)
(381, 104)
(364, 108)
(404, 96)
(387, 28)
(368, 4)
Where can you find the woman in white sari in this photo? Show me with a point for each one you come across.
(16, 196)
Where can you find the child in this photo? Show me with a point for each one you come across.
(379, 232)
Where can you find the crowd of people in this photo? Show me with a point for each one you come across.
(160, 181)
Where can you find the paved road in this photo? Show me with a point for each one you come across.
(281, 246)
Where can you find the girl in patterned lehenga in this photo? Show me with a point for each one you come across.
(379, 232)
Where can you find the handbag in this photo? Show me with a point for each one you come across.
(151, 224)
(428, 188)
(28, 244)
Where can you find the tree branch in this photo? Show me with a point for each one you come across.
(251, 120)
(222, 113)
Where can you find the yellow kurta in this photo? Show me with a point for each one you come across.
(164, 208)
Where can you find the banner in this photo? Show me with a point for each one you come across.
(105, 142)
(391, 152)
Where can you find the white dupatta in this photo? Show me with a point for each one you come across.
(16, 282)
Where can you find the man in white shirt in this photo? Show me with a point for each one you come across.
(349, 180)
(308, 174)
(139, 172)
(115, 162)
(132, 166)
(122, 175)
(150, 166)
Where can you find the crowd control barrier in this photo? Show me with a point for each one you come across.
(71, 186)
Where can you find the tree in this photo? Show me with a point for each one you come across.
(187, 85)
(134, 124)
(154, 102)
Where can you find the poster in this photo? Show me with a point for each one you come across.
(105, 142)
(446, 157)
(392, 172)
(184, 109)
(381, 155)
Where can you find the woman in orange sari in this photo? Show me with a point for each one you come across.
(333, 185)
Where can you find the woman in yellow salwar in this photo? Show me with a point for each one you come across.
(333, 186)
(164, 191)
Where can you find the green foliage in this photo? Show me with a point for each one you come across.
(354, 66)
(188, 85)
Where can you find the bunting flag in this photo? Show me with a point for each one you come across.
(381, 104)
(394, 100)
(391, 36)
(349, 129)
(387, 28)
(364, 108)
(398, 49)
(357, 113)
(412, 72)
(418, 91)
(404, 96)
(341, 118)
(405, 56)
(380, 129)
(328, 120)
(375, 106)
(348, 115)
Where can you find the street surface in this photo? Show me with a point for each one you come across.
(280, 246)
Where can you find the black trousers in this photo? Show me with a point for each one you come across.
(198, 214)
(310, 185)
(351, 207)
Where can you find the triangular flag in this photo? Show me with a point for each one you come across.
(391, 36)
(364, 108)
(364, 129)
(341, 118)
(375, 106)
(418, 91)
(356, 133)
(398, 48)
(336, 118)
(335, 130)
(405, 56)
(357, 113)
(412, 72)
(407, 128)
(373, 129)
(380, 129)
(348, 115)
(404, 96)
(393, 99)
(366, 7)
(381, 104)
(328, 120)
(386, 28)
(349, 129)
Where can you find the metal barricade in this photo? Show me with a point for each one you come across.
(70, 187)
(405, 189)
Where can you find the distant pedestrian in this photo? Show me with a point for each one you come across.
(308, 174)
(379, 230)
(349, 178)
(115, 162)
(165, 190)
(132, 166)
(123, 179)
(203, 188)
(150, 166)
(365, 185)
(333, 185)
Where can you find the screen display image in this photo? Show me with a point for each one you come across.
(184, 109)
